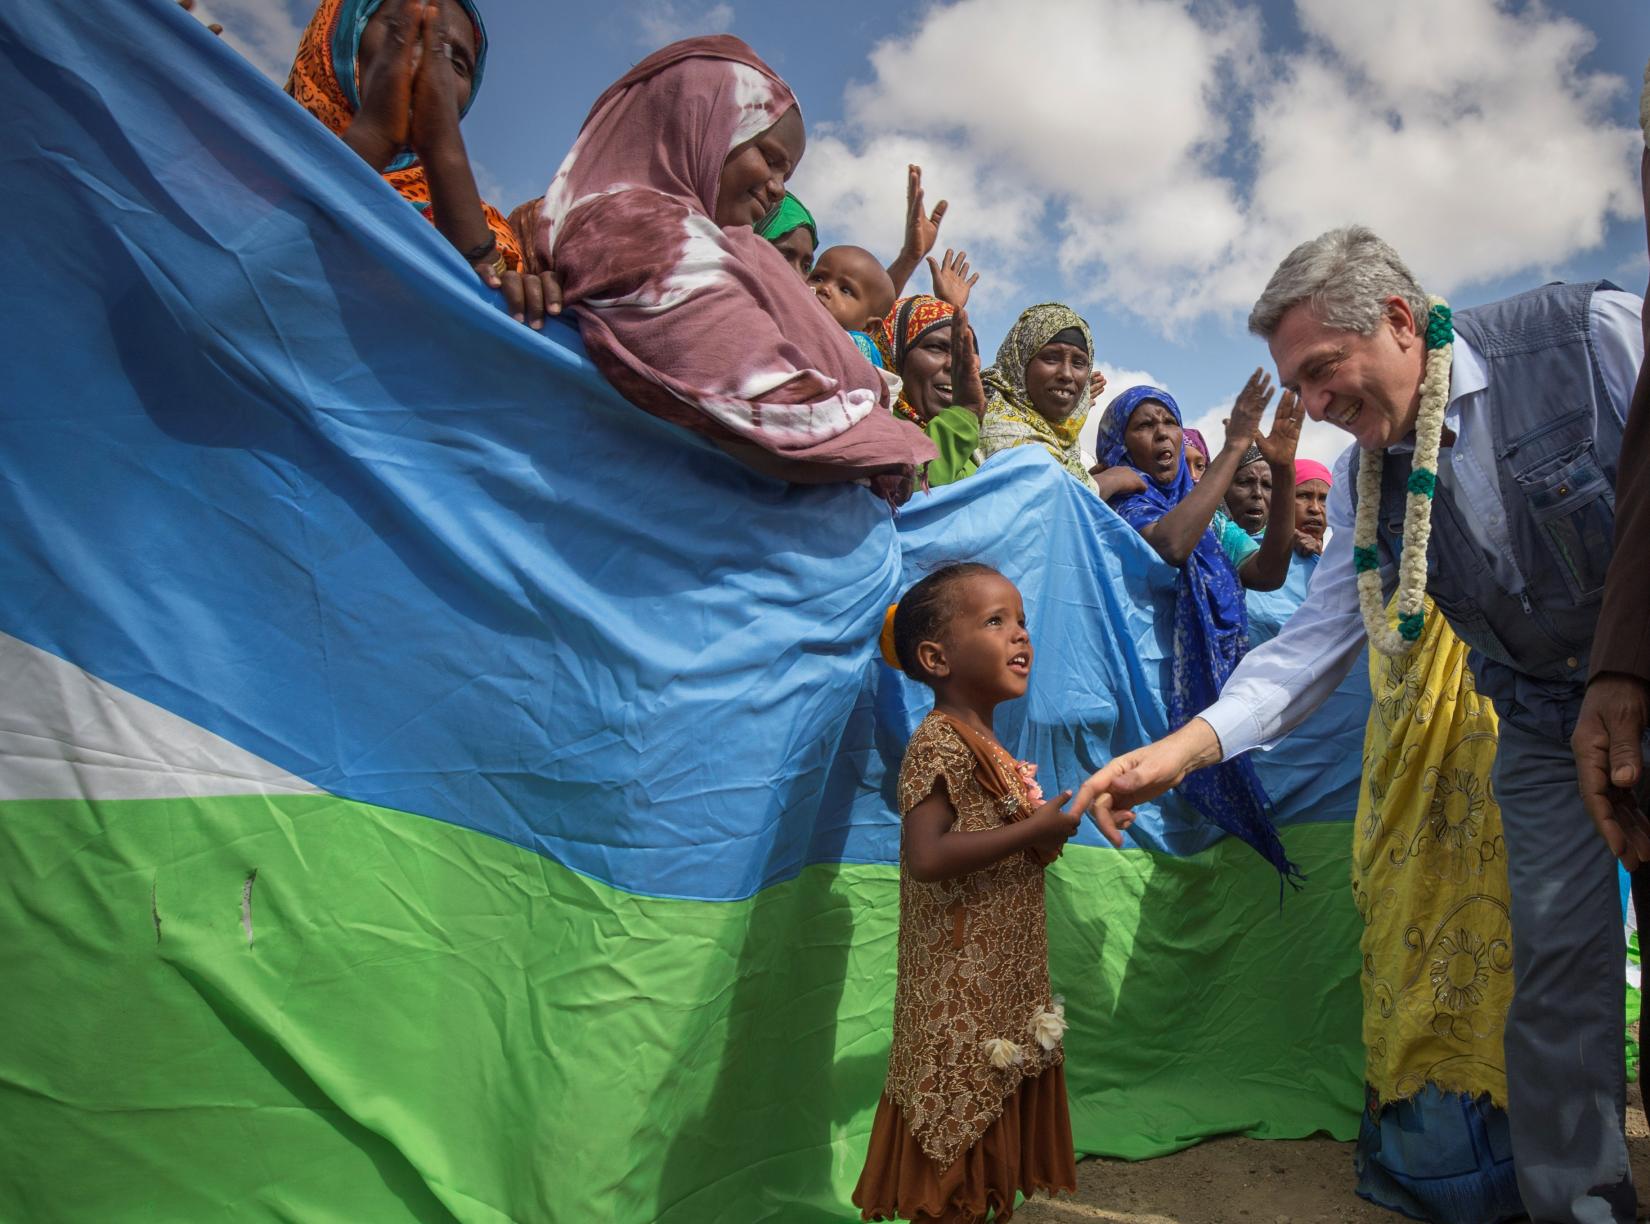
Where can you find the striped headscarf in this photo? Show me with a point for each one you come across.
(325, 81)
(1010, 418)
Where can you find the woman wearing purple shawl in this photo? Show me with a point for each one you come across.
(1142, 430)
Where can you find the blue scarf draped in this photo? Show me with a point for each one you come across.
(1211, 634)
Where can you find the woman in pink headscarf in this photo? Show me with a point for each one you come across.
(692, 315)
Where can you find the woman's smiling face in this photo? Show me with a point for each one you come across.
(754, 174)
(927, 372)
(1055, 378)
(1152, 439)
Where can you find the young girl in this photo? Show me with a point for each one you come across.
(975, 1105)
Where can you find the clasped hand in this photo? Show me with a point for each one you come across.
(1058, 823)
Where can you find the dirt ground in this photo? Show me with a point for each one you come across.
(1251, 1181)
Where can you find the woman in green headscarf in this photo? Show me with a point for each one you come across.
(791, 228)
(1038, 387)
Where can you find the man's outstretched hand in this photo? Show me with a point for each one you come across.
(1144, 774)
(1093, 800)
(1608, 746)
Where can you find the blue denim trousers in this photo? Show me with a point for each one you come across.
(1566, 1082)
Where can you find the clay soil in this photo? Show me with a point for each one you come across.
(1251, 1181)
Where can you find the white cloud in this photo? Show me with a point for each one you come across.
(265, 31)
(1631, 272)
(1475, 165)
(660, 22)
(1173, 161)
(859, 198)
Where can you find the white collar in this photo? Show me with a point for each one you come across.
(1467, 376)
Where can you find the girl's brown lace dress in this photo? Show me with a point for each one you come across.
(975, 1106)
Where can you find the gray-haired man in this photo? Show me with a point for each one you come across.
(1537, 393)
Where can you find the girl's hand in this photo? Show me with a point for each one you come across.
(1244, 423)
(967, 390)
(1097, 801)
(922, 229)
(1054, 827)
(1278, 447)
(951, 280)
(1119, 482)
(383, 126)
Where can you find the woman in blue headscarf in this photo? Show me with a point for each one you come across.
(393, 78)
(1142, 431)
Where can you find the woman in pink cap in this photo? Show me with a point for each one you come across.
(1268, 610)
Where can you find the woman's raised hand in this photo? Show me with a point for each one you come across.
(922, 228)
(433, 124)
(1244, 423)
(1097, 385)
(383, 125)
(952, 283)
(967, 389)
(1278, 447)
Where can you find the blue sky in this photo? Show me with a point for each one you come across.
(1148, 161)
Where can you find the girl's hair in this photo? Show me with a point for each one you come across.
(922, 615)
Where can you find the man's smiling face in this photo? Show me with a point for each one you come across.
(1370, 386)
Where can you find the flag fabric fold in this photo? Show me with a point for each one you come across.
(435, 789)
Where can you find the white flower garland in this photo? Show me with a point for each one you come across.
(1412, 562)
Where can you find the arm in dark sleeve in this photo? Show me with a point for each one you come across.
(1622, 640)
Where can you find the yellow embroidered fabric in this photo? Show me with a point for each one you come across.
(973, 965)
(1429, 873)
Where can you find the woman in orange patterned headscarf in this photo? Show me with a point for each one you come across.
(941, 392)
(393, 78)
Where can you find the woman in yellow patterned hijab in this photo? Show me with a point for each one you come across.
(1038, 388)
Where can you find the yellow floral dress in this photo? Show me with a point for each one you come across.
(1429, 873)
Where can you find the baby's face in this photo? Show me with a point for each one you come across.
(852, 286)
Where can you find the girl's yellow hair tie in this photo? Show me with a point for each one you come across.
(886, 638)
